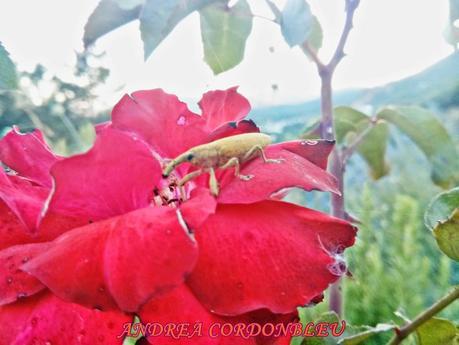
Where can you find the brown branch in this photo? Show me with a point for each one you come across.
(405, 331)
(351, 6)
(313, 55)
(350, 149)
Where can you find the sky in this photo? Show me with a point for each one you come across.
(391, 39)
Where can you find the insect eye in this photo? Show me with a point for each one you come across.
(190, 157)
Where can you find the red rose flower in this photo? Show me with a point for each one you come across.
(90, 240)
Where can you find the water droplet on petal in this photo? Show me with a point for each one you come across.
(181, 120)
(9, 280)
(25, 259)
(34, 321)
(240, 285)
(21, 295)
(283, 293)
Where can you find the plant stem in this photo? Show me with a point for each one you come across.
(327, 129)
(337, 165)
(425, 316)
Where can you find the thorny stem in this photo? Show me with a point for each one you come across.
(426, 315)
(328, 132)
(327, 129)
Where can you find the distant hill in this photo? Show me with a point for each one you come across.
(436, 86)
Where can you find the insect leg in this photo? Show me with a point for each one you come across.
(234, 162)
(213, 183)
(189, 177)
(258, 148)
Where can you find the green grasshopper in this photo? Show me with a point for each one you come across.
(222, 153)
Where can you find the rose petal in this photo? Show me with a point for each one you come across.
(28, 155)
(49, 320)
(12, 230)
(161, 119)
(179, 306)
(294, 170)
(198, 208)
(122, 261)
(222, 106)
(271, 254)
(15, 283)
(233, 128)
(116, 176)
(23, 198)
(316, 151)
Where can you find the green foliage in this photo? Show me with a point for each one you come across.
(452, 30)
(158, 18)
(352, 124)
(428, 133)
(296, 22)
(8, 77)
(438, 331)
(64, 113)
(107, 16)
(441, 207)
(361, 337)
(394, 263)
(447, 236)
(224, 34)
(315, 38)
(442, 216)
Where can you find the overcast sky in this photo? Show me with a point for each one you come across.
(391, 39)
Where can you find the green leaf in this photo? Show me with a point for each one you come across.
(129, 4)
(224, 34)
(350, 123)
(107, 16)
(8, 76)
(315, 37)
(447, 235)
(361, 337)
(427, 132)
(441, 207)
(452, 30)
(296, 22)
(438, 331)
(158, 18)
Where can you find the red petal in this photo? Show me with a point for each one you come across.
(181, 307)
(23, 198)
(271, 254)
(316, 151)
(161, 119)
(233, 128)
(198, 208)
(49, 320)
(221, 106)
(116, 176)
(28, 155)
(293, 171)
(121, 261)
(13, 232)
(17, 284)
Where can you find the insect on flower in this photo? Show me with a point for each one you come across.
(222, 153)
